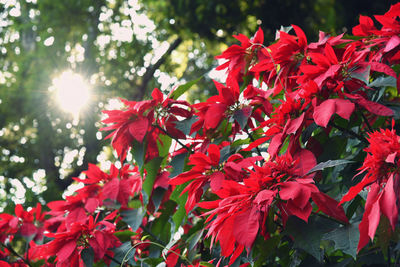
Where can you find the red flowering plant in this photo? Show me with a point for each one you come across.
(295, 161)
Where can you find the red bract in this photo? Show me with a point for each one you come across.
(282, 59)
(208, 170)
(128, 125)
(281, 185)
(241, 57)
(26, 223)
(382, 179)
(135, 122)
(67, 246)
(100, 188)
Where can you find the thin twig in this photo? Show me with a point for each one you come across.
(156, 244)
(17, 255)
(349, 132)
(329, 218)
(111, 258)
(176, 139)
(273, 62)
(366, 122)
(246, 130)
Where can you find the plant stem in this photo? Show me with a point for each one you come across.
(329, 218)
(176, 139)
(246, 130)
(111, 258)
(349, 132)
(156, 244)
(366, 122)
(17, 255)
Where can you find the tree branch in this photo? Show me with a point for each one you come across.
(141, 90)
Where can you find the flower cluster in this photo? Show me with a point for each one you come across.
(212, 179)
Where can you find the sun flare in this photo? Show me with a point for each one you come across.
(72, 92)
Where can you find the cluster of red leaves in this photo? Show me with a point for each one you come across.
(382, 179)
(271, 95)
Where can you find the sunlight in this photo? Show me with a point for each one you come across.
(72, 92)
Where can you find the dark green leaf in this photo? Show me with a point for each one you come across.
(185, 125)
(177, 163)
(345, 238)
(383, 82)
(163, 145)
(194, 238)
(133, 217)
(384, 233)
(307, 236)
(124, 235)
(157, 197)
(241, 117)
(306, 134)
(362, 76)
(351, 209)
(87, 256)
(138, 153)
(152, 168)
(183, 88)
(206, 264)
(224, 153)
(124, 251)
(329, 164)
(180, 213)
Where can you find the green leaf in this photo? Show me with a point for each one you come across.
(186, 125)
(383, 82)
(177, 163)
(362, 76)
(161, 227)
(163, 145)
(180, 213)
(133, 217)
(345, 238)
(329, 164)
(87, 256)
(138, 153)
(307, 236)
(124, 235)
(152, 168)
(241, 117)
(157, 197)
(351, 209)
(183, 88)
(384, 234)
(124, 251)
(307, 133)
(206, 264)
(194, 238)
(224, 153)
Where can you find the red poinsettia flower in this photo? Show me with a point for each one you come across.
(134, 123)
(382, 179)
(27, 223)
(208, 170)
(128, 125)
(281, 60)
(240, 57)
(242, 208)
(68, 245)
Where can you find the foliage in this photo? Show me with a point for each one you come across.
(295, 161)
